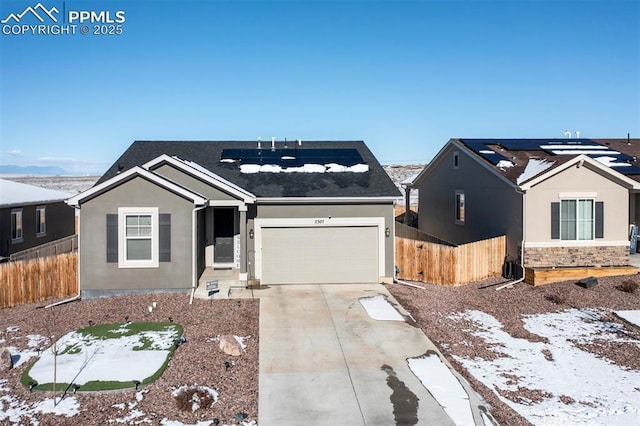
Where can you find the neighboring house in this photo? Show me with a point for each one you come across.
(280, 212)
(560, 202)
(31, 216)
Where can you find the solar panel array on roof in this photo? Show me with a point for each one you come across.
(479, 146)
(292, 157)
(587, 147)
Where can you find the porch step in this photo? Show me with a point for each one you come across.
(228, 279)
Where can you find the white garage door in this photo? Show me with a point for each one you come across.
(320, 255)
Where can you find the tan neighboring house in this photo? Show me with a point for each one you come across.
(560, 202)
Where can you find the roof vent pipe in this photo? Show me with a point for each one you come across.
(299, 142)
(577, 134)
(259, 143)
(273, 143)
(567, 134)
(628, 140)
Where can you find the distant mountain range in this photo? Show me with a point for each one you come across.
(32, 170)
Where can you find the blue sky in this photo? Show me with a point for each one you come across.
(403, 76)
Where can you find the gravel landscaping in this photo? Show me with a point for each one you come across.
(197, 364)
(434, 309)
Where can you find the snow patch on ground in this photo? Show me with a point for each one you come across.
(444, 387)
(195, 405)
(134, 414)
(16, 412)
(631, 316)
(606, 393)
(533, 168)
(167, 422)
(21, 357)
(378, 308)
(36, 340)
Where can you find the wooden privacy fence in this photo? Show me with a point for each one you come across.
(440, 264)
(60, 246)
(35, 280)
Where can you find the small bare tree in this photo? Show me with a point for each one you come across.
(55, 349)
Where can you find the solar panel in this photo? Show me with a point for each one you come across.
(630, 170)
(293, 157)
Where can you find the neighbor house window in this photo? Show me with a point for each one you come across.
(577, 219)
(41, 221)
(16, 225)
(456, 160)
(460, 207)
(138, 237)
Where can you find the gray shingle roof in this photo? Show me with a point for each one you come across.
(373, 183)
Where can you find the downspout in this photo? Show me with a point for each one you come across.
(524, 230)
(407, 203)
(194, 251)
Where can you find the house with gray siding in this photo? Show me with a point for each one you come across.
(31, 216)
(168, 216)
(560, 202)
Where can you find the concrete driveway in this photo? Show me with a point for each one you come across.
(324, 361)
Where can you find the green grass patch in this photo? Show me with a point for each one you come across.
(80, 348)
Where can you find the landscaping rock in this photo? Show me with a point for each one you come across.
(229, 345)
(6, 362)
(588, 282)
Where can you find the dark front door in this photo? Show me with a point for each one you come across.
(223, 227)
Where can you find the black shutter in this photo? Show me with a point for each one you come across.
(164, 234)
(112, 238)
(599, 219)
(555, 221)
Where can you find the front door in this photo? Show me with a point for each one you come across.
(223, 230)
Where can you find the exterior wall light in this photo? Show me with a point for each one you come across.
(251, 234)
(387, 232)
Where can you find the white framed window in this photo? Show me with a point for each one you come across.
(460, 208)
(577, 219)
(138, 237)
(16, 225)
(41, 221)
(456, 159)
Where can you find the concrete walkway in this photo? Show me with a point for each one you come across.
(324, 361)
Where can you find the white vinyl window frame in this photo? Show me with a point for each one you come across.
(16, 226)
(460, 208)
(41, 221)
(577, 219)
(138, 231)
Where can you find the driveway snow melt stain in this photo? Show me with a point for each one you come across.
(405, 402)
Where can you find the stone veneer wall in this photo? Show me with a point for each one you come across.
(541, 257)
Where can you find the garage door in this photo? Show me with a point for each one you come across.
(320, 255)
